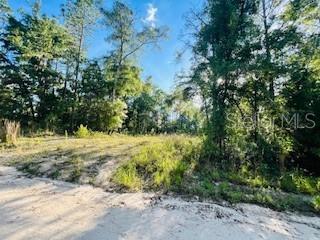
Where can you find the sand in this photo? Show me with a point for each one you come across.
(46, 209)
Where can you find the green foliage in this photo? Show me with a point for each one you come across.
(39, 38)
(82, 132)
(305, 185)
(111, 115)
(316, 203)
(4, 11)
(296, 182)
(287, 183)
(127, 177)
(254, 63)
(127, 42)
(239, 194)
(160, 166)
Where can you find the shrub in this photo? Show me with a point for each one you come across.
(263, 198)
(287, 183)
(257, 181)
(9, 131)
(215, 175)
(316, 203)
(318, 185)
(82, 132)
(224, 189)
(305, 185)
(295, 182)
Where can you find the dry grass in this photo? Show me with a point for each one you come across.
(9, 131)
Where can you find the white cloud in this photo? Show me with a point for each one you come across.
(151, 17)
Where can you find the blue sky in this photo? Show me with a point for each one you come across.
(158, 63)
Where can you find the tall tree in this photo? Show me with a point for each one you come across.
(35, 43)
(302, 88)
(80, 18)
(126, 40)
(223, 49)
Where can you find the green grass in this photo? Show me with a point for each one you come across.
(77, 166)
(316, 203)
(127, 177)
(159, 163)
(159, 166)
(293, 182)
(174, 165)
(73, 159)
(232, 193)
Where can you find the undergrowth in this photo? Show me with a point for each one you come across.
(174, 165)
(160, 166)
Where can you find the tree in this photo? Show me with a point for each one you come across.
(187, 116)
(302, 87)
(148, 112)
(126, 40)
(35, 44)
(80, 18)
(128, 83)
(223, 51)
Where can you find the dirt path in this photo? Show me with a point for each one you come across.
(45, 209)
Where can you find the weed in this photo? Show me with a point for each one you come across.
(127, 177)
(77, 165)
(82, 132)
(158, 166)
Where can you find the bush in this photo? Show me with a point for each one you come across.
(316, 203)
(257, 181)
(9, 131)
(305, 185)
(295, 182)
(82, 132)
(287, 183)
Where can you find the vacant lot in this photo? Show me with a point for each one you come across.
(121, 163)
(88, 161)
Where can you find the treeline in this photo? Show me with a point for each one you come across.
(48, 82)
(257, 69)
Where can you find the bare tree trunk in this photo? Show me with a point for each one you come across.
(77, 76)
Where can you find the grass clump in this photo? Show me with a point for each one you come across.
(233, 194)
(9, 131)
(82, 132)
(127, 177)
(158, 166)
(77, 165)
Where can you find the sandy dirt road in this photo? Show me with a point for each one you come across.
(45, 209)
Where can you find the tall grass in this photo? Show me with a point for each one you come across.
(9, 131)
(159, 166)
